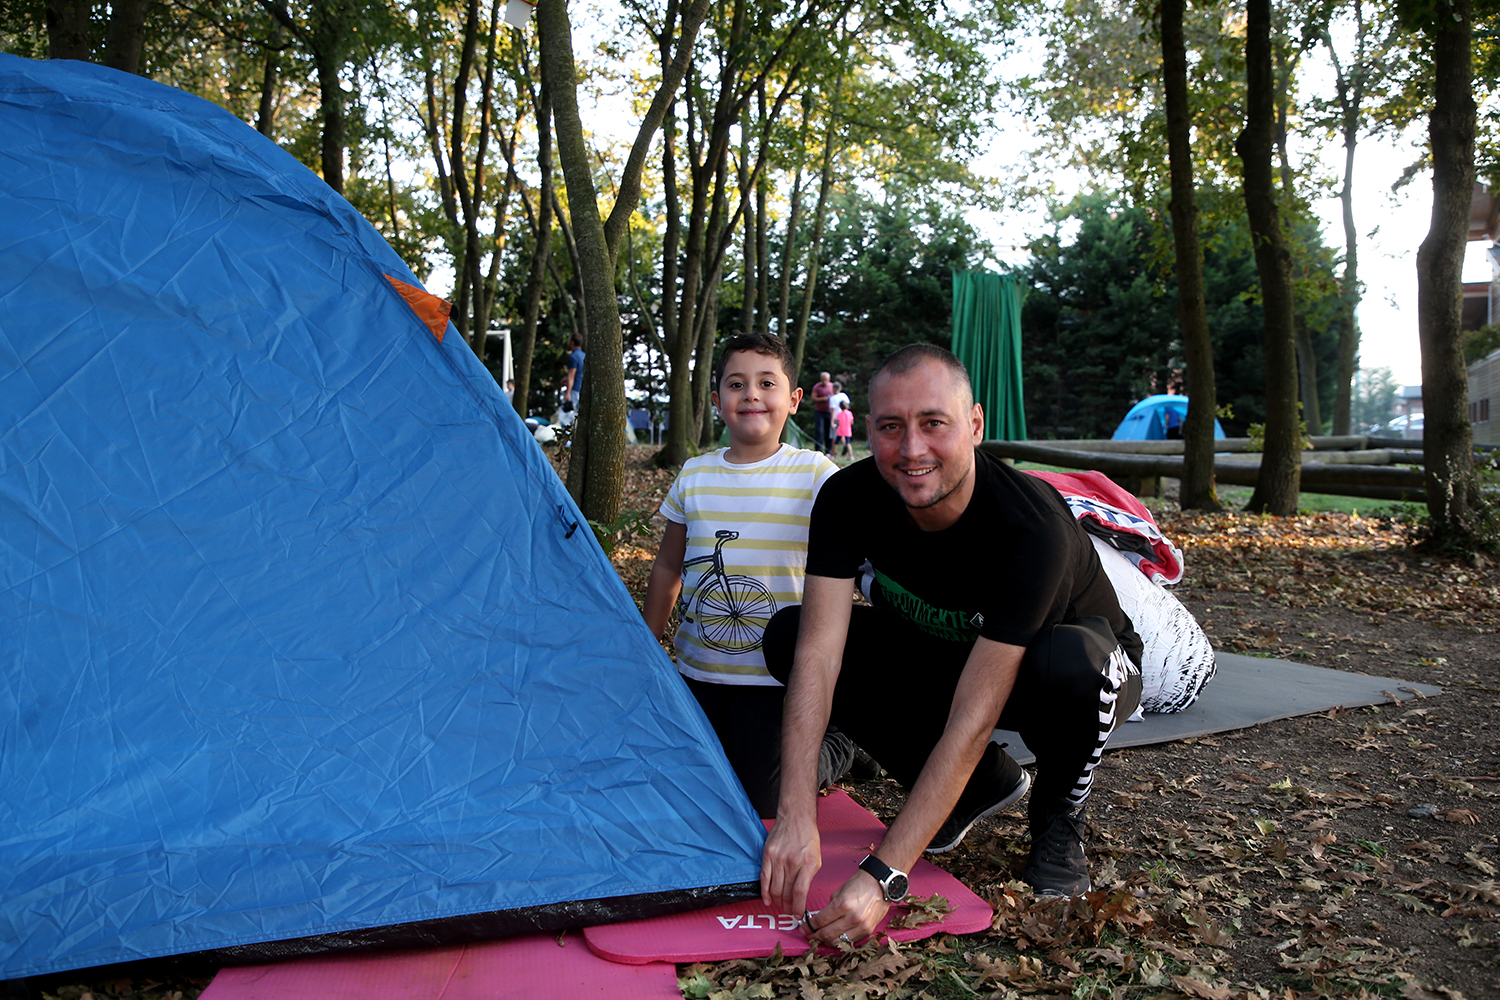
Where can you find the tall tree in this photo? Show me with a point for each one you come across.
(596, 469)
(1196, 491)
(331, 33)
(68, 29)
(1279, 483)
(742, 54)
(1362, 104)
(541, 228)
(1459, 514)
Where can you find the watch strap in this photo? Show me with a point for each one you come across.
(885, 875)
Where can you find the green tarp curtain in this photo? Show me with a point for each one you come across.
(987, 339)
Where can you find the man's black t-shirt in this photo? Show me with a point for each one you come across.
(1013, 563)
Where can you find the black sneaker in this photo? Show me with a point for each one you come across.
(834, 757)
(998, 781)
(863, 767)
(1057, 865)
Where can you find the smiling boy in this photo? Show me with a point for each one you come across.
(735, 549)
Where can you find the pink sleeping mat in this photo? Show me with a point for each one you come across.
(751, 930)
(518, 968)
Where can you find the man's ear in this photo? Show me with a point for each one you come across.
(796, 398)
(976, 419)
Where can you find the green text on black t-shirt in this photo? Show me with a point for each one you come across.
(954, 626)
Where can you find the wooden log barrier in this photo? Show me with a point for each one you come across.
(1378, 482)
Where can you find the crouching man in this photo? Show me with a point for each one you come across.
(988, 607)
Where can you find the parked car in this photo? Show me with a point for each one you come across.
(1408, 426)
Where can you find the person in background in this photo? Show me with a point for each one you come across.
(843, 429)
(822, 392)
(573, 378)
(838, 398)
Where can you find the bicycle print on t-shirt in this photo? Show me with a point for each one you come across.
(731, 610)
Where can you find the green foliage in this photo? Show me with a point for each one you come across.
(1257, 434)
(1098, 100)
(1374, 400)
(1099, 330)
(1479, 533)
(629, 524)
(885, 280)
(1480, 343)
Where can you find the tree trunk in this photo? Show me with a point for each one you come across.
(270, 83)
(484, 285)
(68, 29)
(466, 264)
(596, 468)
(718, 232)
(432, 124)
(1453, 498)
(127, 35)
(749, 246)
(1343, 403)
(1280, 470)
(1349, 91)
(684, 329)
(327, 57)
(788, 252)
(1307, 358)
(1197, 490)
(762, 227)
(798, 342)
(536, 280)
(674, 446)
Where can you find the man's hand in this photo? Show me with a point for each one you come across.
(853, 912)
(793, 853)
(792, 856)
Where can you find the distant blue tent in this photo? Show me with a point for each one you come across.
(1149, 419)
(305, 645)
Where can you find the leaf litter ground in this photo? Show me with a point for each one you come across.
(1349, 854)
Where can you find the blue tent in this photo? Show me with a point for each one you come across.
(305, 645)
(1149, 419)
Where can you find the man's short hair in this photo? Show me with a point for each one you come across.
(575, 341)
(905, 359)
(761, 343)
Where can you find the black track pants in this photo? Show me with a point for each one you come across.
(897, 683)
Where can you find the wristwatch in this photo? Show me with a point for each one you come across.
(893, 883)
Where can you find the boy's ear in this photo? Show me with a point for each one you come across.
(796, 398)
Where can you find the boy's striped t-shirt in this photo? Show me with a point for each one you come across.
(746, 556)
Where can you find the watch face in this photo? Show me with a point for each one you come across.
(896, 888)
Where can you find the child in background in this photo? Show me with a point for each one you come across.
(735, 548)
(843, 430)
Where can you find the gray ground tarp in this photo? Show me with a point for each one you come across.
(1247, 691)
